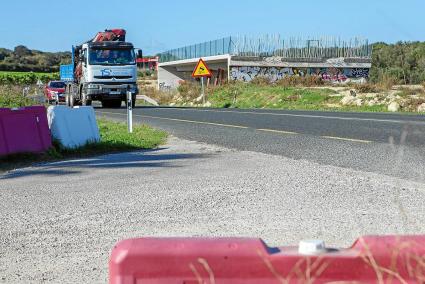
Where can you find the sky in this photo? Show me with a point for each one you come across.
(158, 25)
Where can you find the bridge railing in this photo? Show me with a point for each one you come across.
(209, 48)
(273, 45)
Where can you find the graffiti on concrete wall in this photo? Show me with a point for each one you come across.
(247, 73)
(334, 74)
(330, 74)
(359, 72)
(163, 86)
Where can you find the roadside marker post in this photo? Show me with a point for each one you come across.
(129, 112)
(201, 71)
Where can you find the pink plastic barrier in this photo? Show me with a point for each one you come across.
(371, 259)
(24, 130)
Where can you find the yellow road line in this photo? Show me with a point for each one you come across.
(277, 131)
(236, 126)
(195, 121)
(182, 120)
(347, 139)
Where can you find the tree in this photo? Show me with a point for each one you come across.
(21, 51)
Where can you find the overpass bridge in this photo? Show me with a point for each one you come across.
(243, 58)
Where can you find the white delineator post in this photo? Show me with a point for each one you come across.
(129, 112)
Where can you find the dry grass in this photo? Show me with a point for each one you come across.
(412, 104)
(189, 91)
(298, 81)
(260, 81)
(290, 81)
(408, 91)
(367, 88)
(11, 96)
(163, 98)
(309, 270)
(386, 82)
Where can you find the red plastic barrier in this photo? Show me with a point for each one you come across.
(24, 130)
(372, 259)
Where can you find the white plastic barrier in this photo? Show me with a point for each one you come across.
(73, 127)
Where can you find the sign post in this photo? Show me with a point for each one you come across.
(202, 90)
(201, 71)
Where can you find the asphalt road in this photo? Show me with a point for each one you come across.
(390, 144)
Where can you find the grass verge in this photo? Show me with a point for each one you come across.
(11, 96)
(242, 95)
(114, 138)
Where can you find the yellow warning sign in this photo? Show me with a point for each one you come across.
(201, 70)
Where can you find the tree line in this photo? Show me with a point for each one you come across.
(402, 62)
(23, 59)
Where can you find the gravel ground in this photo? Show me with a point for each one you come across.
(60, 220)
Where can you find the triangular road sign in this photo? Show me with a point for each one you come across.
(201, 70)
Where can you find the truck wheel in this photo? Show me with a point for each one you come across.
(85, 101)
(69, 97)
(71, 101)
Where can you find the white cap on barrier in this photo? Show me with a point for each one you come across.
(311, 246)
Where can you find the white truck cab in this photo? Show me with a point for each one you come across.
(102, 71)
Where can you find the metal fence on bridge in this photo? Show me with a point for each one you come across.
(273, 45)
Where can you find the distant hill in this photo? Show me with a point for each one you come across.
(22, 58)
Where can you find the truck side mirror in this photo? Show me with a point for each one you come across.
(139, 53)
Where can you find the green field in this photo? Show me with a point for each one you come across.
(25, 78)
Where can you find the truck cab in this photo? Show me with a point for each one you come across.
(102, 71)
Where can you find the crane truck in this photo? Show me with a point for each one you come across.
(102, 69)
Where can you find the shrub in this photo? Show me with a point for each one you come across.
(367, 88)
(403, 61)
(162, 98)
(292, 98)
(412, 104)
(386, 82)
(189, 90)
(149, 74)
(305, 81)
(26, 78)
(11, 96)
(410, 91)
(261, 81)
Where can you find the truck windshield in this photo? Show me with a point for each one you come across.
(111, 57)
